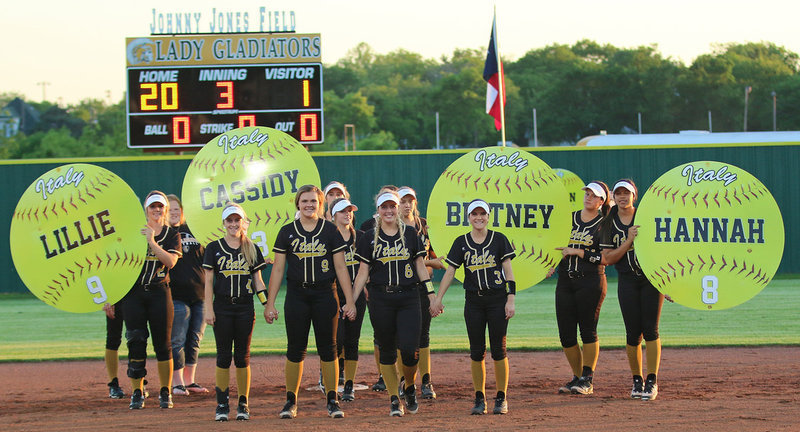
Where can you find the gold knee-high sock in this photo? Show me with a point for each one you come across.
(410, 374)
(350, 367)
(112, 363)
(398, 365)
(243, 381)
(137, 383)
(378, 358)
(165, 373)
(222, 378)
(424, 361)
(478, 376)
(330, 375)
(575, 359)
(501, 374)
(293, 372)
(390, 378)
(634, 358)
(653, 355)
(590, 353)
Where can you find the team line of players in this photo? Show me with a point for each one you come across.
(334, 272)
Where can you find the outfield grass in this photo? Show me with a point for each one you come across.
(32, 330)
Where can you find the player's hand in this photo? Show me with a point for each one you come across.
(510, 308)
(668, 298)
(270, 314)
(209, 317)
(349, 310)
(148, 233)
(633, 231)
(109, 310)
(551, 272)
(436, 308)
(269, 260)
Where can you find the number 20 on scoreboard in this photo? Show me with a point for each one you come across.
(187, 106)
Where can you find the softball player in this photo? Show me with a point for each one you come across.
(314, 251)
(232, 272)
(114, 321)
(490, 291)
(349, 332)
(186, 284)
(411, 217)
(150, 302)
(333, 191)
(581, 288)
(639, 301)
(391, 258)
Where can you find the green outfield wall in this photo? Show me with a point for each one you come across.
(776, 165)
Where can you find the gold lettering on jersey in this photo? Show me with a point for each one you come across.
(305, 250)
(582, 238)
(229, 267)
(389, 254)
(350, 257)
(474, 262)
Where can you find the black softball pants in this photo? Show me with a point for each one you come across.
(578, 302)
(233, 330)
(143, 306)
(640, 303)
(114, 328)
(303, 307)
(349, 332)
(480, 312)
(395, 317)
(425, 318)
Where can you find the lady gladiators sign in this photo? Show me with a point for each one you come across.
(528, 204)
(258, 168)
(711, 235)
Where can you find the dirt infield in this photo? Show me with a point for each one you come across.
(750, 388)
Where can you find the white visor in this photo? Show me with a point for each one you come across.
(232, 210)
(406, 191)
(386, 196)
(626, 185)
(155, 198)
(596, 189)
(476, 204)
(341, 205)
(333, 185)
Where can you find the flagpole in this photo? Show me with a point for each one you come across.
(500, 81)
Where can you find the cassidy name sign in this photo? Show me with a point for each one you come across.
(222, 21)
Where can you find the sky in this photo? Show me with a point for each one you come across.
(78, 48)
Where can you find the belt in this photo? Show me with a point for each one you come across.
(576, 274)
(323, 285)
(487, 292)
(393, 289)
(234, 300)
(154, 285)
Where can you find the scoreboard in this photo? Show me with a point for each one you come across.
(185, 90)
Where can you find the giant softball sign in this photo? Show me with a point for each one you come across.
(75, 237)
(711, 235)
(528, 204)
(258, 168)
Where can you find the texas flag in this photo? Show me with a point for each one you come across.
(495, 80)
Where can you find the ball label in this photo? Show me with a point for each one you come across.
(258, 168)
(75, 238)
(711, 235)
(528, 204)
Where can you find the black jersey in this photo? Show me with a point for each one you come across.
(154, 271)
(309, 254)
(483, 262)
(368, 224)
(586, 236)
(391, 259)
(422, 232)
(233, 276)
(186, 278)
(618, 233)
(350, 254)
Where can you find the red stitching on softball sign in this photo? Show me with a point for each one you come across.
(85, 211)
(257, 167)
(720, 215)
(527, 205)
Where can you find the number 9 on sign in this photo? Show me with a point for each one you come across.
(710, 295)
(96, 287)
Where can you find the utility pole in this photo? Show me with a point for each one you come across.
(44, 85)
(747, 91)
